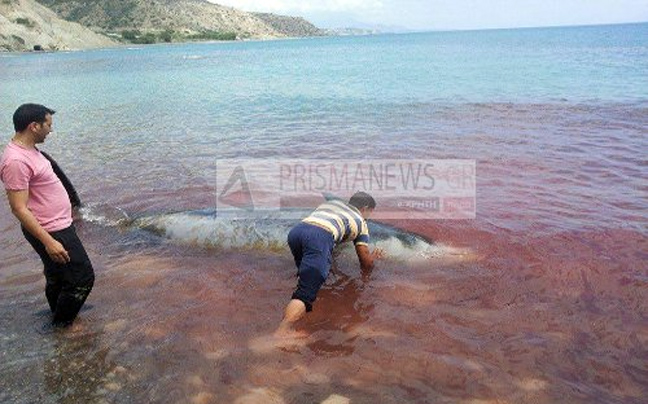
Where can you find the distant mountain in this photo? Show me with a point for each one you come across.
(377, 30)
(345, 23)
(352, 31)
(182, 17)
(25, 24)
(368, 29)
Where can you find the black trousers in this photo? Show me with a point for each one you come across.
(67, 285)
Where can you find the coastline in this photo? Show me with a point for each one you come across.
(29, 25)
(118, 45)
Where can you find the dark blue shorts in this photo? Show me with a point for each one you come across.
(312, 247)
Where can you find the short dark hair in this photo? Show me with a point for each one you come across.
(362, 200)
(28, 113)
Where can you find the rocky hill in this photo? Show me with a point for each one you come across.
(189, 17)
(290, 26)
(25, 24)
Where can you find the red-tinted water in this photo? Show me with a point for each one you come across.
(549, 306)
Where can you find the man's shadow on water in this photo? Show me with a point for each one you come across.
(338, 310)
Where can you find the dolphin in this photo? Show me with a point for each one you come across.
(265, 230)
(209, 228)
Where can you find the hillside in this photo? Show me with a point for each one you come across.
(25, 24)
(187, 17)
(289, 26)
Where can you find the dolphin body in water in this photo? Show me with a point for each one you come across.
(212, 229)
(264, 230)
(208, 228)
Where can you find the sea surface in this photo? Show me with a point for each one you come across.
(541, 298)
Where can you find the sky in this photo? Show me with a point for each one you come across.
(425, 15)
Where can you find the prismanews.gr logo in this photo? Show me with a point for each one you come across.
(403, 189)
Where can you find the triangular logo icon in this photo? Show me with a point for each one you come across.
(239, 197)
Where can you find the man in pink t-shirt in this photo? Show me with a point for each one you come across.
(42, 205)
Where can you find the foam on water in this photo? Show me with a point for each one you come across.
(420, 250)
(215, 232)
(104, 215)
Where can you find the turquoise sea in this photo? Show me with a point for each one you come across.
(546, 303)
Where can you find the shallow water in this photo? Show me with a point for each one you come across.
(542, 298)
(547, 319)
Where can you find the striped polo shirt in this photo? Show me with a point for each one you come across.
(344, 221)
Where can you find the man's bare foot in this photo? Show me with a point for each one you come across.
(289, 333)
(77, 329)
(279, 340)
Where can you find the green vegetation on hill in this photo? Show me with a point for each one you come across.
(106, 14)
(213, 36)
(25, 21)
(149, 37)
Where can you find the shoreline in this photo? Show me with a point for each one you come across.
(4, 51)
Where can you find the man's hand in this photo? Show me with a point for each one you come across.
(378, 253)
(18, 204)
(57, 252)
(367, 258)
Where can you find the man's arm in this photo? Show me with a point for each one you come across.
(18, 203)
(367, 258)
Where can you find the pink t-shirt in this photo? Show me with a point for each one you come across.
(27, 169)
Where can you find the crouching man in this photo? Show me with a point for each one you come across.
(311, 243)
